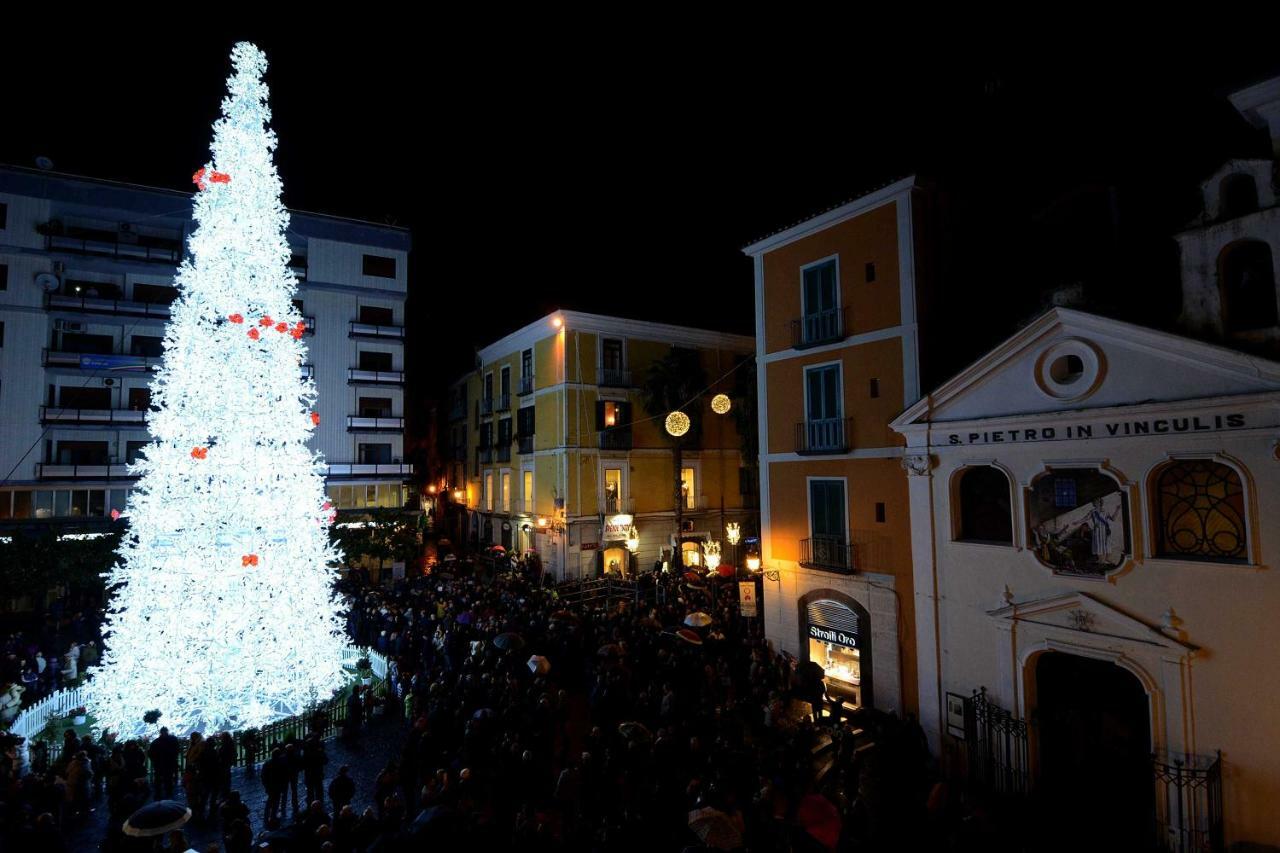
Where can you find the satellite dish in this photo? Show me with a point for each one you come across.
(44, 163)
(48, 281)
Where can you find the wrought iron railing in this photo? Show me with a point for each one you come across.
(119, 417)
(618, 438)
(526, 385)
(995, 747)
(356, 329)
(824, 435)
(1189, 814)
(820, 327)
(525, 443)
(614, 377)
(829, 553)
(359, 376)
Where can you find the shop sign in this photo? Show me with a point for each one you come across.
(747, 598)
(616, 527)
(832, 635)
(589, 546)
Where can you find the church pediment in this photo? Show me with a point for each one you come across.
(1071, 361)
(1083, 614)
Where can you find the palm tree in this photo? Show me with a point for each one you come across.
(676, 381)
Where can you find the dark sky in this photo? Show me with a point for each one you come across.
(622, 172)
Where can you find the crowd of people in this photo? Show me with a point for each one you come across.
(35, 663)
(532, 716)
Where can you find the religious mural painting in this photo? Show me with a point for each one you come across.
(1079, 522)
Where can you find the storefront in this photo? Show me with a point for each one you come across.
(835, 634)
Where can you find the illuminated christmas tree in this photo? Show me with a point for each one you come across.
(223, 613)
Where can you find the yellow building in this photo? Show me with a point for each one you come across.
(837, 357)
(559, 456)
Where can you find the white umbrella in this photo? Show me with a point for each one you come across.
(697, 619)
(539, 665)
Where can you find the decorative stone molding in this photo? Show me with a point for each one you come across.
(917, 464)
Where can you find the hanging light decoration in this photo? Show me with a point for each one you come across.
(633, 539)
(733, 532)
(721, 404)
(711, 552)
(677, 423)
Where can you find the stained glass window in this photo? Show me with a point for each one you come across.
(1200, 510)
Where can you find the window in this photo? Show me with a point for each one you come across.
(880, 514)
(488, 387)
(82, 453)
(824, 426)
(488, 491)
(528, 491)
(875, 388)
(376, 316)
(504, 432)
(525, 422)
(1247, 280)
(486, 434)
(1237, 195)
(609, 414)
(820, 291)
(4, 216)
(149, 346)
(985, 513)
(375, 360)
(689, 488)
(828, 526)
(613, 490)
(526, 363)
(1079, 522)
(84, 397)
(374, 454)
(379, 266)
(871, 272)
(506, 491)
(611, 354)
(4, 276)
(297, 306)
(139, 399)
(82, 343)
(1, 333)
(1200, 511)
(155, 294)
(505, 384)
(132, 449)
(375, 407)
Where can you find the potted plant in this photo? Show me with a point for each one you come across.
(77, 715)
(365, 668)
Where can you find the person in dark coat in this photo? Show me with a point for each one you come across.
(293, 766)
(342, 789)
(313, 761)
(211, 776)
(275, 780)
(164, 761)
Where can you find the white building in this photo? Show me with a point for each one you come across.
(86, 275)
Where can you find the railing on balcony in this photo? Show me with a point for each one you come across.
(308, 371)
(105, 471)
(615, 439)
(503, 452)
(613, 377)
(484, 455)
(458, 412)
(820, 327)
(121, 245)
(371, 469)
(824, 435)
(356, 376)
(356, 329)
(829, 553)
(358, 423)
(526, 385)
(525, 444)
(98, 361)
(298, 266)
(99, 305)
(486, 406)
(502, 403)
(121, 417)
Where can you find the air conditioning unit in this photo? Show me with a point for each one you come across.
(67, 326)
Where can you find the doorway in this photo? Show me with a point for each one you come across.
(1094, 727)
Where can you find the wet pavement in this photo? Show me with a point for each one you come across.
(379, 742)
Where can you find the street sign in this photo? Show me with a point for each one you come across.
(747, 598)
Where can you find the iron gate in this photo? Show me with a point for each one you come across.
(995, 747)
(1188, 802)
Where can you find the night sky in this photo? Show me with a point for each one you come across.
(542, 170)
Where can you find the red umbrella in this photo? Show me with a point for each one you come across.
(725, 571)
(820, 819)
(692, 577)
(689, 636)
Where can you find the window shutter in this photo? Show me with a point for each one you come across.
(624, 415)
(599, 416)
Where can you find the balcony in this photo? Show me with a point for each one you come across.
(122, 245)
(484, 455)
(502, 403)
(615, 439)
(379, 469)
(298, 266)
(485, 405)
(98, 305)
(828, 553)
(820, 327)
(356, 423)
(610, 377)
(98, 361)
(110, 417)
(356, 376)
(525, 444)
(105, 471)
(356, 329)
(824, 435)
(458, 412)
(526, 385)
(308, 371)
(503, 452)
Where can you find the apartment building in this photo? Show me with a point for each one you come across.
(555, 453)
(837, 359)
(86, 278)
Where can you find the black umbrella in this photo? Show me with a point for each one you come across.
(509, 642)
(156, 819)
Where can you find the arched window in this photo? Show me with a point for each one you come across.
(985, 514)
(1200, 511)
(1079, 521)
(1248, 283)
(1237, 195)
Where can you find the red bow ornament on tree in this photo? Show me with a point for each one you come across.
(214, 177)
(249, 560)
(315, 418)
(266, 320)
(299, 329)
(236, 318)
(199, 452)
(253, 334)
(282, 326)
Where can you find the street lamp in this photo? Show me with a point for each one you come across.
(633, 540)
(711, 552)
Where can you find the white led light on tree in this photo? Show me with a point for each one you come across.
(223, 614)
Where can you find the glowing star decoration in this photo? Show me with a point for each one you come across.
(721, 404)
(677, 423)
(214, 649)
